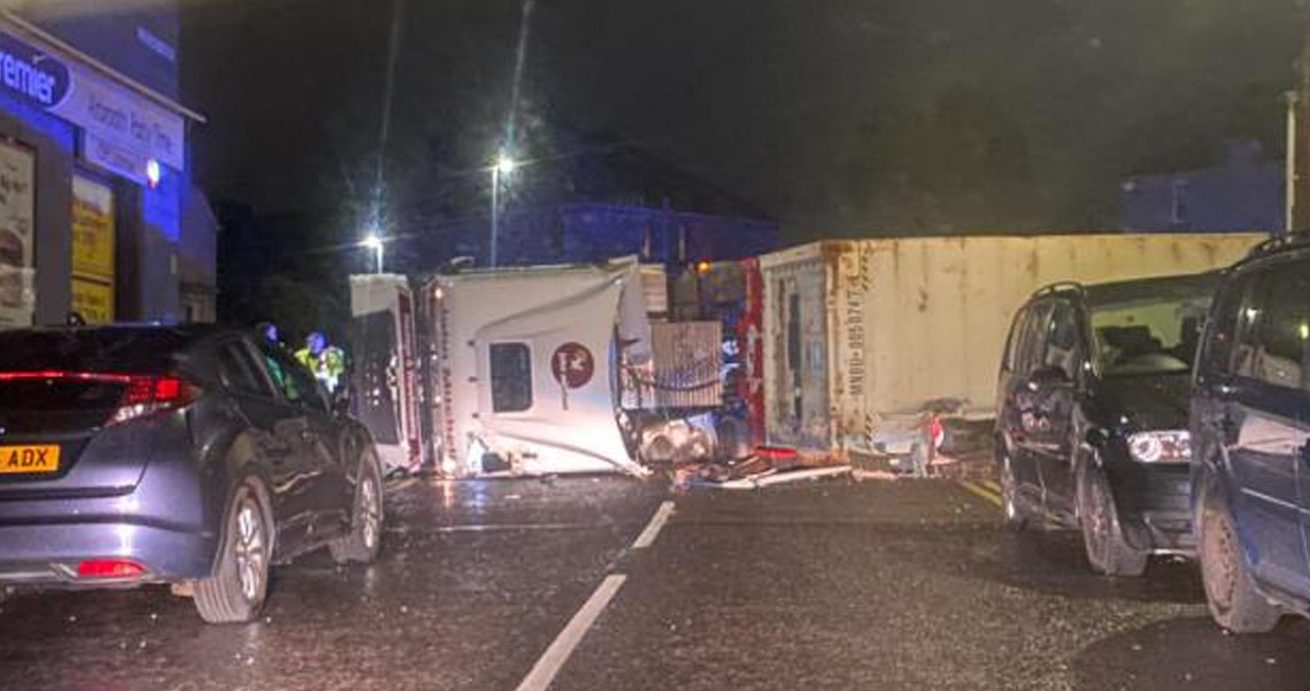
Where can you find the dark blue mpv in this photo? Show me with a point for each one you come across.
(1250, 425)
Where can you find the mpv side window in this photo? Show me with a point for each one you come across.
(1222, 332)
(1062, 339)
(1016, 338)
(1273, 345)
(1033, 341)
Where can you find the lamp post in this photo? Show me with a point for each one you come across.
(504, 166)
(374, 242)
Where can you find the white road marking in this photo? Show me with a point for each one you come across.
(647, 536)
(552, 661)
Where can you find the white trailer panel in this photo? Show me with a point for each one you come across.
(858, 331)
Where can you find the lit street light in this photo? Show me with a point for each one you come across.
(505, 166)
(374, 242)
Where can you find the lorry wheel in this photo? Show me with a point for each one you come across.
(1014, 516)
(239, 586)
(1234, 603)
(362, 544)
(1102, 537)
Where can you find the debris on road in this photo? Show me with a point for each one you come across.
(768, 466)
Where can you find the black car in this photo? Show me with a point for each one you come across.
(1251, 423)
(193, 456)
(1092, 415)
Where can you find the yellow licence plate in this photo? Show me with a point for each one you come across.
(43, 458)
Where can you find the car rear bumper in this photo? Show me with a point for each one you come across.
(166, 524)
(50, 553)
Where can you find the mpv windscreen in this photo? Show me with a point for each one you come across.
(1150, 329)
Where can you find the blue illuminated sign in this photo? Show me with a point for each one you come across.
(30, 74)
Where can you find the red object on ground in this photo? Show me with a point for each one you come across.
(776, 453)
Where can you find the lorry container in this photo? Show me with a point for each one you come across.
(861, 335)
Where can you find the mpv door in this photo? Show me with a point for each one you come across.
(1055, 395)
(1018, 410)
(321, 477)
(1265, 414)
(274, 430)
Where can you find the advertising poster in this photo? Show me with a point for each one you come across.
(93, 250)
(17, 251)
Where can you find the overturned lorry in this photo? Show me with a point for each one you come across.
(862, 339)
(535, 370)
(526, 365)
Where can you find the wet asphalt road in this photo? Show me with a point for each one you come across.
(836, 585)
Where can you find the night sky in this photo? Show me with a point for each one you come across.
(839, 117)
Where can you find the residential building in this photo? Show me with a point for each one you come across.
(1245, 192)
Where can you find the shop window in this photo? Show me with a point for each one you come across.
(511, 377)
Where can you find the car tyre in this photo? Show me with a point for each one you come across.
(237, 590)
(1015, 519)
(1107, 552)
(364, 541)
(1229, 591)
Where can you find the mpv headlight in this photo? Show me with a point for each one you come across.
(1173, 446)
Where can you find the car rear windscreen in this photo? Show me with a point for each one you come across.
(104, 351)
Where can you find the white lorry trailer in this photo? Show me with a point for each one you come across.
(861, 335)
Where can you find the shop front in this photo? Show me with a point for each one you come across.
(94, 180)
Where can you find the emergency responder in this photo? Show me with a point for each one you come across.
(326, 361)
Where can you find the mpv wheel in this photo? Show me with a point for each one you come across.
(236, 591)
(1229, 591)
(364, 540)
(1014, 517)
(1106, 550)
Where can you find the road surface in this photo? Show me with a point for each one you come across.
(521, 584)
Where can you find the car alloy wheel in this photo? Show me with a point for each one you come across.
(237, 589)
(363, 542)
(370, 512)
(1096, 523)
(1008, 491)
(250, 549)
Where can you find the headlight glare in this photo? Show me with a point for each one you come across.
(1173, 446)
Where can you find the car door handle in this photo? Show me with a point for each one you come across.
(307, 435)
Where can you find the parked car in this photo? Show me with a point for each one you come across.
(1251, 422)
(193, 456)
(1092, 415)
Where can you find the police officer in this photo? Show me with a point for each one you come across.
(326, 361)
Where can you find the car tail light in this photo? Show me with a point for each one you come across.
(143, 394)
(147, 395)
(110, 568)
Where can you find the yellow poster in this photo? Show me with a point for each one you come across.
(93, 300)
(93, 250)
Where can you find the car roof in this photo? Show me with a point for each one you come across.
(1179, 287)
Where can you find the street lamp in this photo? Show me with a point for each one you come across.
(374, 242)
(505, 166)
